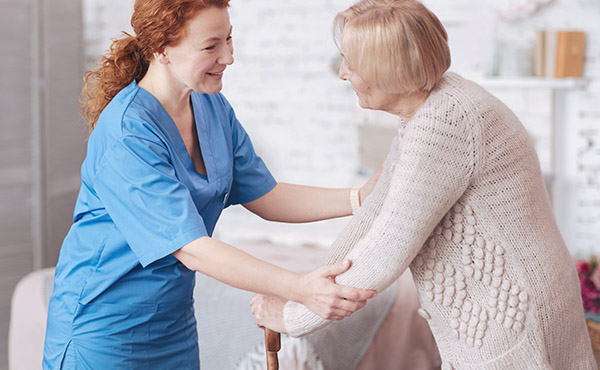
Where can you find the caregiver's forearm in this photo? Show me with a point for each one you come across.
(317, 289)
(238, 269)
(300, 203)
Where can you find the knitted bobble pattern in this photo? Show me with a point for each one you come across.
(482, 260)
(461, 201)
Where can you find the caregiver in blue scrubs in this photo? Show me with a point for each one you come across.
(165, 156)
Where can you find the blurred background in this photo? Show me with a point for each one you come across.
(304, 121)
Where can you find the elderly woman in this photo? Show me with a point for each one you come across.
(461, 201)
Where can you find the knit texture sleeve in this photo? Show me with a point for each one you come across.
(426, 172)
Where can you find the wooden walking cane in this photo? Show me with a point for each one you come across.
(272, 346)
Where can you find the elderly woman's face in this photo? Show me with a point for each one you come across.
(369, 97)
(359, 85)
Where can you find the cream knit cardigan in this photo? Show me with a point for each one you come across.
(461, 201)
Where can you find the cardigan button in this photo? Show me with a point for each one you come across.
(424, 314)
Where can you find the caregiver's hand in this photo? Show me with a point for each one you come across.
(268, 312)
(367, 188)
(325, 298)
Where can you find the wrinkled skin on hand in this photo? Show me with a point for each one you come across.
(268, 312)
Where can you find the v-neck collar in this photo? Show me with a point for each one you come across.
(202, 133)
(170, 128)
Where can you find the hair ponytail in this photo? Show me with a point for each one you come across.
(123, 63)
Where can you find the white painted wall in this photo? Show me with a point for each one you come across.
(304, 121)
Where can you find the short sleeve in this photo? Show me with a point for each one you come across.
(151, 208)
(251, 177)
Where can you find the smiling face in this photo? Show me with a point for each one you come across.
(360, 86)
(369, 96)
(394, 50)
(197, 61)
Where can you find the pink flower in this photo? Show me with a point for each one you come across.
(589, 295)
(589, 280)
(583, 268)
(588, 288)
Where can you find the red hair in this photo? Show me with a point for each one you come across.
(156, 23)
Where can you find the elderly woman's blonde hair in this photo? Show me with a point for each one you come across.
(398, 46)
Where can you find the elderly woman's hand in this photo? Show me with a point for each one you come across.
(268, 312)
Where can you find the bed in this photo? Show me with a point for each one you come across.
(387, 334)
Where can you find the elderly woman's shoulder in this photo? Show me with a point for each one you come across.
(453, 90)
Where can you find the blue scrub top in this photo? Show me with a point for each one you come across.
(120, 299)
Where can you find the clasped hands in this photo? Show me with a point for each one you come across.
(321, 295)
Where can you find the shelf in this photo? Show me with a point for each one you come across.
(532, 83)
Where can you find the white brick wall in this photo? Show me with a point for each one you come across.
(303, 120)
(286, 93)
(581, 221)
